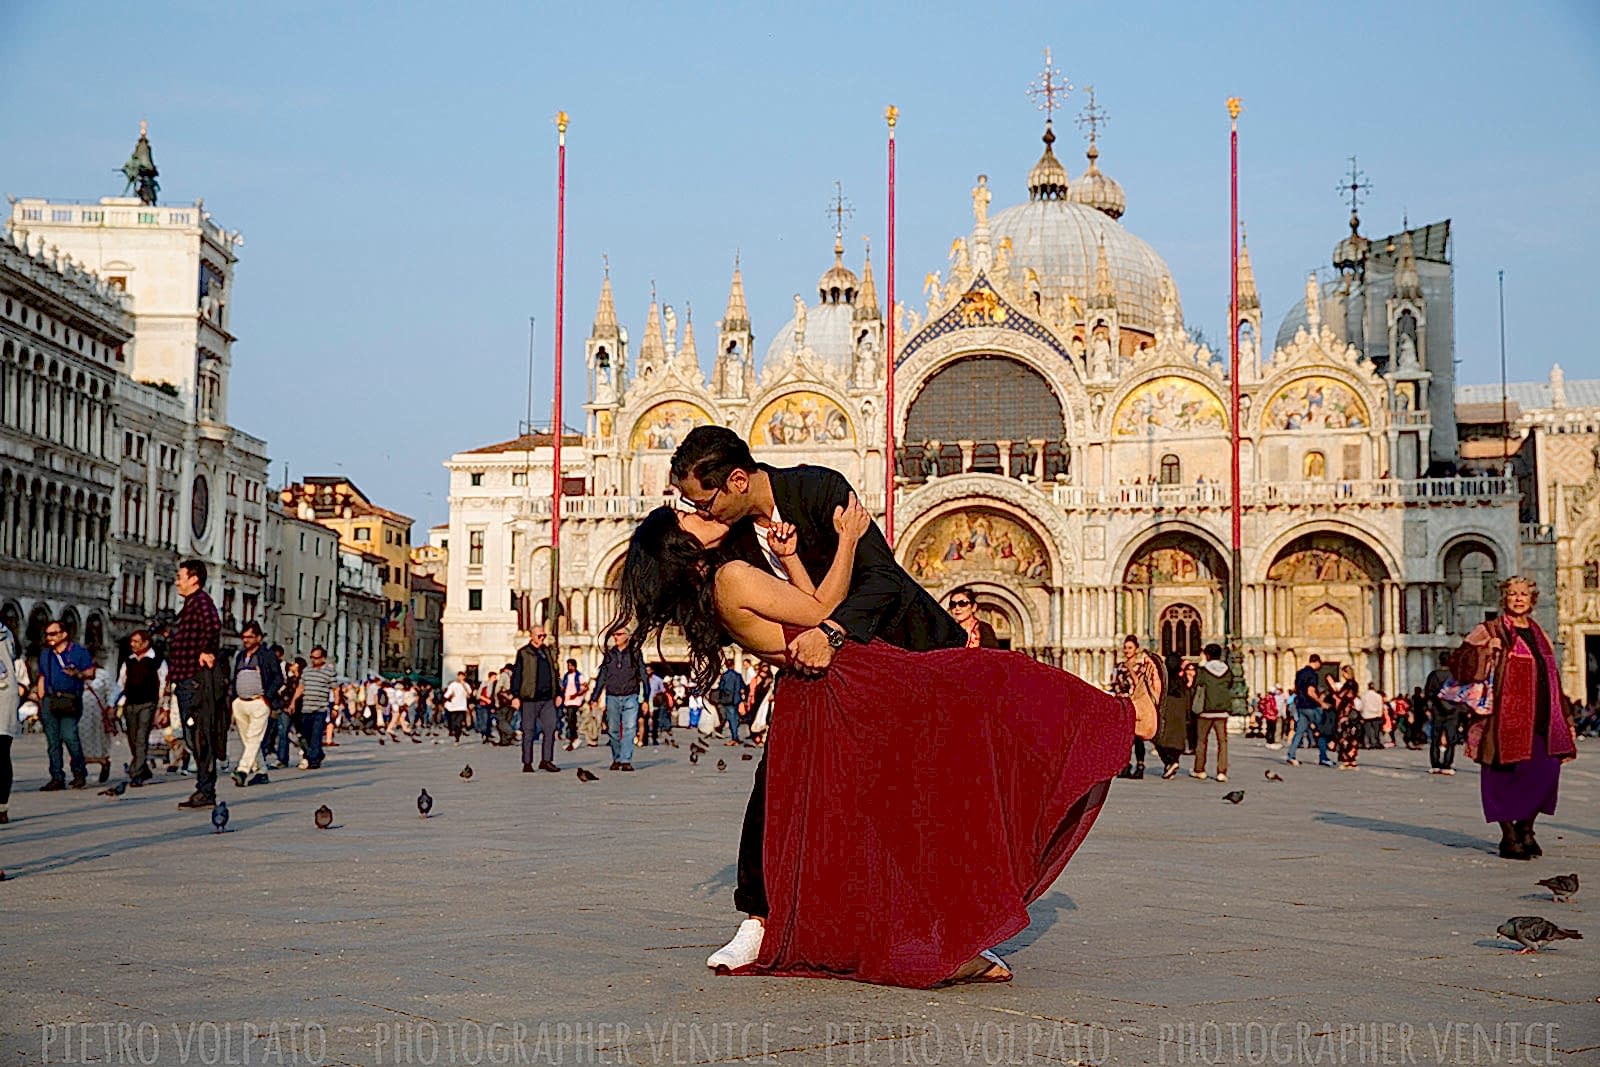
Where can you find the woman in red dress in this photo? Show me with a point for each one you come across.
(882, 866)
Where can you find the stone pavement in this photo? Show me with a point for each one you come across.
(1334, 918)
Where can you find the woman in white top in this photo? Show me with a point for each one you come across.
(13, 675)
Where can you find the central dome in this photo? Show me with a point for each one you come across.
(1059, 239)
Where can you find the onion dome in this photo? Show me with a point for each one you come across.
(1095, 189)
(1048, 178)
(838, 283)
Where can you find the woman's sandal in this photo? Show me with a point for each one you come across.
(985, 967)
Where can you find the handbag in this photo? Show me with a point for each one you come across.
(63, 705)
(1476, 697)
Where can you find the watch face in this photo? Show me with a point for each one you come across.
(200, 506)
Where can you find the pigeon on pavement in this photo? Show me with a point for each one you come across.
(424, 803)
(466, 773)
(1562, 887)
(1234, 797)
(694, 755)
(722, 765)
(323, 817)
(116, 790)
(1273, 776)
(219, 816)
(586, 775)
(1531, 931)
(747, 756)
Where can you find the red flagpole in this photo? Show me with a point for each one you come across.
(552, 620)
(892, 115)
(1236, 583)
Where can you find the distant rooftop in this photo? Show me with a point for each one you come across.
(1580, 393)
(530, 442)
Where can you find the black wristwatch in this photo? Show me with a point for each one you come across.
(834, 635)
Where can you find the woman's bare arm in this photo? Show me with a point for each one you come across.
(740, 585)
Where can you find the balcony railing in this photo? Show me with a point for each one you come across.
(1381, 491)
(1538, 533)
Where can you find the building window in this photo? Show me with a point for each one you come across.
(147, 217)
(363, 533)
(477, 477)
(118, 282)
(1171, 470)
(519, 477)
(475, 548)
(60, 214)
(474, 599)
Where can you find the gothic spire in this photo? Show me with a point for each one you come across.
(653, 349)
(605, 314)
(1104, 294)
(736, 319)
(687, 352)
(1248, 297)
(867, 308)
(1407, 282)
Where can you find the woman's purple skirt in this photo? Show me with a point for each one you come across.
(1515, 792)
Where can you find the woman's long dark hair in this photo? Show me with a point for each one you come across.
(666, 580)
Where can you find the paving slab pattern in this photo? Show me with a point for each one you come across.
(1337, 917)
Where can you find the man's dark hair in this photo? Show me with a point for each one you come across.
(319, 648)
(253, 627)
(1213, 651)
(1314, 659)
(140, 633)
(277, 650)
(573, 664)
(195, 567)
(710, 454)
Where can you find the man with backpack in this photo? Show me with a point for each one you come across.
(730, 694)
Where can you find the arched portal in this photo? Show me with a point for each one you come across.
(1175, 578)
(33, 633)
(1326, 594)
(1472, 582)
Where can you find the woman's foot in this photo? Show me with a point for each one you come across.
(984, 967)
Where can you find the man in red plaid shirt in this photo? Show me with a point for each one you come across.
(191, 656)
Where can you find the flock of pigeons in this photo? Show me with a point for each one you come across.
(1530, 931)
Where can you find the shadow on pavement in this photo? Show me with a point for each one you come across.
(1447, 838)
(1042, 914)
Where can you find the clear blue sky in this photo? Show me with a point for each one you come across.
(392, 167)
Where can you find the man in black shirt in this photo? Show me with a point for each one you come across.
(533, 694)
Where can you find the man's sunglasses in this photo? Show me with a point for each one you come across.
(701, 508)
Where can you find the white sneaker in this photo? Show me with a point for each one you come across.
(742, 950)
(305, 765)
(1222, 777)
(1202, 775)
(1274, 746)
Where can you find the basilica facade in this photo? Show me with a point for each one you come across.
(1062, 448)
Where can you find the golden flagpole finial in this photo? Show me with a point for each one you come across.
(561, 121)
(891, 115)
(1235, 105)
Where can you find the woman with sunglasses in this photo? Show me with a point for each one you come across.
(964, 609)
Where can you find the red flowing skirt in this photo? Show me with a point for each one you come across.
(918, 802)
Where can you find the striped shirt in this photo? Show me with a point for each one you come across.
(318, 683)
